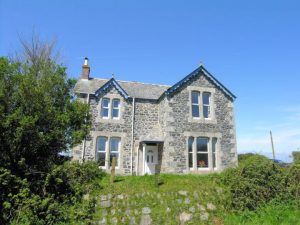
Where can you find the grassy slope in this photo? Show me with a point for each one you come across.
(144, 191)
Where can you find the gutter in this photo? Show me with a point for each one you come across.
(84, 141)
(132, 134)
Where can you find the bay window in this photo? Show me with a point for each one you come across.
(202, 153)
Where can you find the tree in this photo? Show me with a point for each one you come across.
(38, 115)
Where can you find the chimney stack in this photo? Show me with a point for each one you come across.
(85, 69)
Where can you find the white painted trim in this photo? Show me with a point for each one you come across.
(201, 119)
(132, 135)
(144, 152)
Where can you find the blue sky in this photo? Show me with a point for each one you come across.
(252, 47)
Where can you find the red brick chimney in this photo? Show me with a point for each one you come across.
(85, 69)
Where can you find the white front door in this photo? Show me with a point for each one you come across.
(151, 159)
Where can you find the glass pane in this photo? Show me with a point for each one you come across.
(147, 158)
(206, 98)
(191, 160)
(115, 113)
(104, 112)
(101, 144)
(111, 155)
(195, 99)
(206, 111)
(202, 144)
(190, 144)
(105, 102)
(214, 146)
(195, 111)
(202, 160)
(114, 144)
(100, 158)
(116, 103)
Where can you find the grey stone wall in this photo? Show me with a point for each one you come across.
(175, 112)
(168, 120)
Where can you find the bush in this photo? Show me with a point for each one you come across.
(72, 179)
(257, 180)
(38, 211)
(296, 156)
(63, 189)
(293, 181)
(13, 190)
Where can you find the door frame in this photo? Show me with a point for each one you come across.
(144, 155)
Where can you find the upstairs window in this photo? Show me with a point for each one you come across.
(201, 105)
(206, 104)
(105, 108)
(110, 108)
(195, 104)
(115, 112)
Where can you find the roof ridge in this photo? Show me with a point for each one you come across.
(134, 82)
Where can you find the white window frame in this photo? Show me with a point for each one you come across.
(206, 105)
(194, 104)
(214, 152)
(105, 107)
(191, 152)
(210, 137)
(105, 151)
(201, 119)
(108, 150)
(115, 108)
(115, 152)
(203, 153)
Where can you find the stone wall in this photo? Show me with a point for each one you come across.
(176, 115)
(168, 120)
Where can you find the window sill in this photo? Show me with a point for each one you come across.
(202, 120)
(103, 120)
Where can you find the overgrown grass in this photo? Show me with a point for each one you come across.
(274, 213)
(162, 194)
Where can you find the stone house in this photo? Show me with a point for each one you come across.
(185, 128)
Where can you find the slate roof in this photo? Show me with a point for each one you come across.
(202, 70)
(133, 89)
(141, 90)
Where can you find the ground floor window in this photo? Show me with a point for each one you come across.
(106, 149)
(202, 153)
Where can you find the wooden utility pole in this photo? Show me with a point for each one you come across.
(113, 170)
(273, 150)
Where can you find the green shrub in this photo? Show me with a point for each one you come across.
(296, 156)
(13, 191)
(256, 181)
(293, 181)
(63, 190)
(72, 179)
(38, 211)
(245, 156)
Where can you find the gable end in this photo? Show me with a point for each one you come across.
(110, 83)
(200, 69)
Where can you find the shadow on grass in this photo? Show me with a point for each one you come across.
(119, 179)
